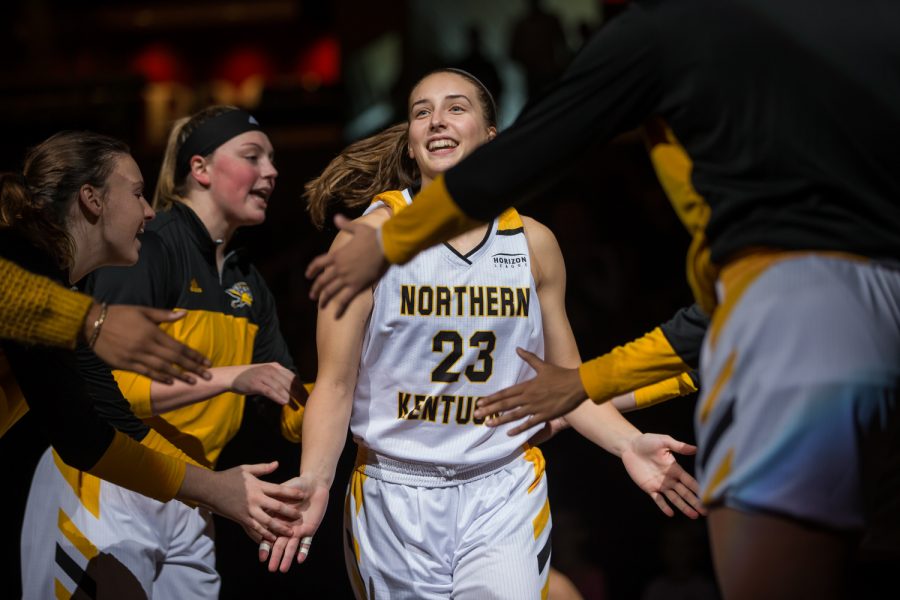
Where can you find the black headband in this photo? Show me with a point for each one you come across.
(211, 134)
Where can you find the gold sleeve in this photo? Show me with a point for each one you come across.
(292, 418)
(36, 310)
(642, 362)
(673, 387)
(154, 467)
(433, 218)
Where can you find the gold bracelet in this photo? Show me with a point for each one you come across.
(98, 324)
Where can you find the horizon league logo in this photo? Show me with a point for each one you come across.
(509, 261)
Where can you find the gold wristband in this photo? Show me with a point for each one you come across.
(98, 324)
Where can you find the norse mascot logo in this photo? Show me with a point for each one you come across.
(240, 294)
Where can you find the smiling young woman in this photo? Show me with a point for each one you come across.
(406, 364)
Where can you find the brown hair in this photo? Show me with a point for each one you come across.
(168, 189)
(377, 163)
(37, 202)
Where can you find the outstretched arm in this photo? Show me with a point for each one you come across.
(648, 458)
(37, 310)
(327, 415)
(656, 367)
(272, 380)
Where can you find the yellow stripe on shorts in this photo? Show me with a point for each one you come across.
(84, 485)
(540, 521)
(721, 380)
(722, 471)
(74, 535)
(534, 455)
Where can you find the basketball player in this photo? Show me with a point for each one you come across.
(440, 505)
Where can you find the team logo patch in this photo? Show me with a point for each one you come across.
(504, 260)
(240, 294)
(195, 287)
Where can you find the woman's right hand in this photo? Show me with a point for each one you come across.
(265, 510)
(312, 510)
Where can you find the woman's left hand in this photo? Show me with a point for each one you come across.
(650, 462)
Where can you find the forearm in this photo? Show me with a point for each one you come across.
(153, 468)
(603, 425)
(166, 397)
(325, 424)
(198, 486)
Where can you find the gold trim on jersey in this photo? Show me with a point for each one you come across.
(534, 455)
(509, 219)
(201, 429)
(394, 199)
(436, 218)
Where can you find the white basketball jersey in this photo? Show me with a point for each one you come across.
(443, 332)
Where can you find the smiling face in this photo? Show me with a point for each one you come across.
(125, 212)
(242, 177)
(446, 123)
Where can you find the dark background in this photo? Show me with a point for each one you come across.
(318, 75)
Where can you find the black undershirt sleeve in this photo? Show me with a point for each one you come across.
(610, 87)
(685, 333)
(58, 396)
(109, 403)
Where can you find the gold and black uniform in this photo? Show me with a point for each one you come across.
(231, 319)
(76, 401)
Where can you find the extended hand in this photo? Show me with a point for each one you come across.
(271, 380)
(130, 339)
(344, 272)
(312, 510)
(262, 508)
(650, 464)
(553, 392)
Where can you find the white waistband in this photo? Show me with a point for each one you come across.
(402, 472)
